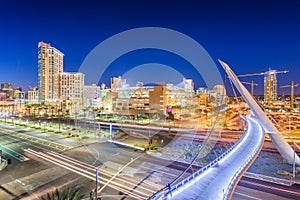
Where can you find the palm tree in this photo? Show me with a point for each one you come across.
(64, 195)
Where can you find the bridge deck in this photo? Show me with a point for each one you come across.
(214, 182)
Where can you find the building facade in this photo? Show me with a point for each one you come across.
(50, 65)
(270, 87)
(91, 95)
(33, 96)
(8, 89)
(71, 89)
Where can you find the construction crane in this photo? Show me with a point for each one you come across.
(265, 73)
(270, 83)
(292, 86)
(252, 86)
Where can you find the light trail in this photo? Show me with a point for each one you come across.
(90, 175)
(271, 187)
(82, 174)
(93, 168)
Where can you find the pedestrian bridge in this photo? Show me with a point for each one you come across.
(218, 179)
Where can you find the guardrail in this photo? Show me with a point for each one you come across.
(164, 192)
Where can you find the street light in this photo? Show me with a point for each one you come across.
(96, 189)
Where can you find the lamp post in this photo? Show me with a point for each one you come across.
(96, 189)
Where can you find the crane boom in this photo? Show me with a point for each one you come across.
(254, 74)
(263, 73)
(249, 83)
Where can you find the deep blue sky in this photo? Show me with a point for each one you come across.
(250, 35)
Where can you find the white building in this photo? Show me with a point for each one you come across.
(217, 96)
(33, 96)
(71, 88)
(91, 95)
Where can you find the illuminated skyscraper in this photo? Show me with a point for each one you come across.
(50, 65)
(270, 86)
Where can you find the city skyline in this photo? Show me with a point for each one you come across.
(263, 35)
(131, 99)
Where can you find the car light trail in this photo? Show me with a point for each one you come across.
(63, 162)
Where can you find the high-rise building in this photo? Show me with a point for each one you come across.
(50, 65)
(71, 88)
(270, 87)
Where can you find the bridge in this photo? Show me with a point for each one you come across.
(218, 179)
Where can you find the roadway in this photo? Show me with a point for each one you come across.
(49, 166)
(142, 177)
(251, 189)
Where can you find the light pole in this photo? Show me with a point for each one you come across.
(96, 189)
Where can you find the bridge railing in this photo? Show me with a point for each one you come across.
(228, 191)
(164, 192)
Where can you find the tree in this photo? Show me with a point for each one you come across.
(64, 195)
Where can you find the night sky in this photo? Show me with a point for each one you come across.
(251, 36)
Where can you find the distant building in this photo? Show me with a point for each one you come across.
(33, 96)
(2, 96)
(158, 98)
(202, 90)
(91, 95)
(141, 100)
(117, 82)
(217, 96)
(188, 85)
(8, 89)
(50, 65)
(270, 87)
(71, 88)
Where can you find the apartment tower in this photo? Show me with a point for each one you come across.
(50, 65)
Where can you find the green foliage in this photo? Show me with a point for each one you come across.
(64, 195)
